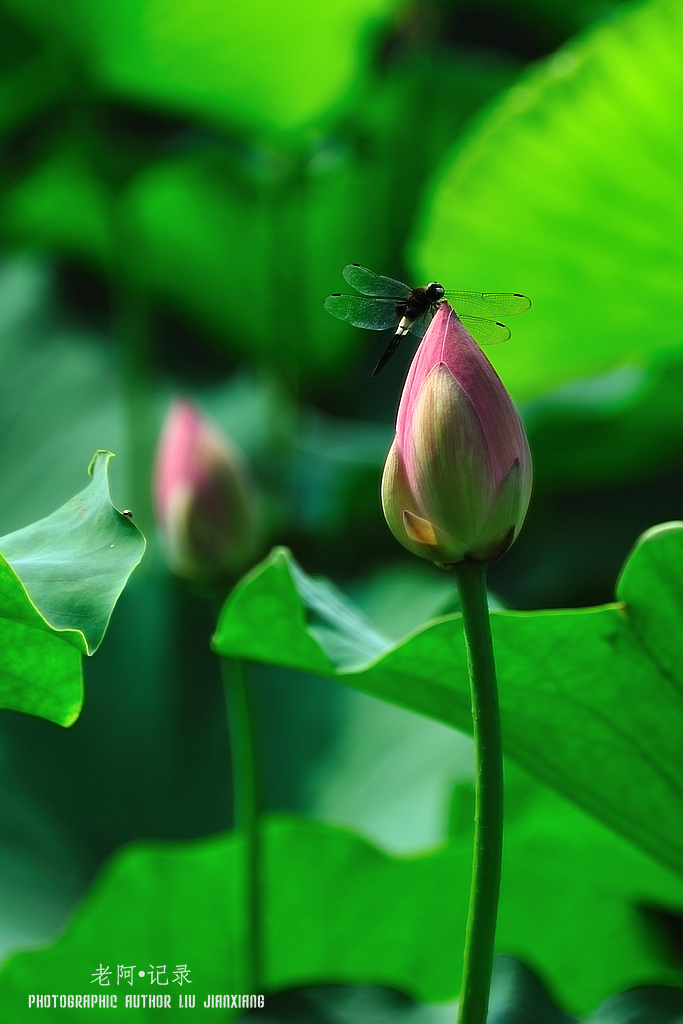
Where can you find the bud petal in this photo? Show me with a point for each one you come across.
(457, 481)
(419, 530)
(204, 498)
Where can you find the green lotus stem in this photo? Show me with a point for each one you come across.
(245, 788)
(488, 829)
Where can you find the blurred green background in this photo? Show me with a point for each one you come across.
(181, 186)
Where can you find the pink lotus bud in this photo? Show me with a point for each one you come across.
(204, 499)
(457, 480)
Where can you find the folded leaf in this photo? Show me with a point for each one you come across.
(60, 578)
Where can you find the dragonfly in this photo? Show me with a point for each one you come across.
(384, 302)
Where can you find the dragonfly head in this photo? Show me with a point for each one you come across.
(435, 292)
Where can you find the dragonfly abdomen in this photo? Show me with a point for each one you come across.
(404, 325)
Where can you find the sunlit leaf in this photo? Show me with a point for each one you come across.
(569, 191)
(264, 64)
(590, 698)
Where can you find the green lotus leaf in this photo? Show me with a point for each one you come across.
(591, 698)
(569, 190)
(60, 579)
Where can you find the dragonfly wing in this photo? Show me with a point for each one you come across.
(488, 304)
(486, 332)
(375, 314)
(422, 323)
(368, 283)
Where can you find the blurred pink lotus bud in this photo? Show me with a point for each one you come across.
(457, 480)
(204, 499)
